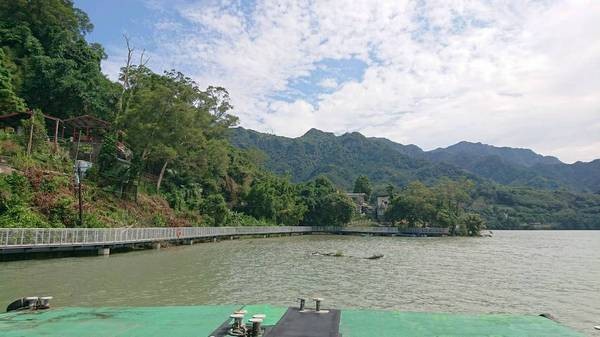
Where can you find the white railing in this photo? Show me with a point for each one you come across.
(32, 237)
(10, 237)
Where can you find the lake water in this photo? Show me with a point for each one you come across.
(521, 272)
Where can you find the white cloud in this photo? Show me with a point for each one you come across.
(513, 73)
(328, 83)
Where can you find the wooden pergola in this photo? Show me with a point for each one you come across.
(86, 128)
(14, 119)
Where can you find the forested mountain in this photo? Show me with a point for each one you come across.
(514, 188)
(344, 157)
(521, 157)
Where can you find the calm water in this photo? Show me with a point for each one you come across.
(513, 272)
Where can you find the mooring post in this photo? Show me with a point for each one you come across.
(317, 303)
(302, 303)
(256, 321)
(156, 245)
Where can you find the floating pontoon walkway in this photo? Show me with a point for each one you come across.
(40, 240)
(203, 320)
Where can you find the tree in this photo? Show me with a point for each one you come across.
(55, 69)
(275, 200)
(473, 223)
(216, 209)
(325, 206)
(414, 205)
(363, 185)
(9, 101)
(336, 209)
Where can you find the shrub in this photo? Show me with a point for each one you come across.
(63, 212)
(21, 216)
(158, 220)
(39, 137)
(91, 220)
(14, 190)
(215, 207)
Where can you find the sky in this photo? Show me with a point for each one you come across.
(425, 72)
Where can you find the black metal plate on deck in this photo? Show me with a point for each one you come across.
(306, 324)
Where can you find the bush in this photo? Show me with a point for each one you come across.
(9, 145)
(472, 224)
(15, 190)
(91, 220)
(51, 184)
(21, 216)
(216, 209)
(39, 137)
(64, 213)
(241, 219)
(158, 220)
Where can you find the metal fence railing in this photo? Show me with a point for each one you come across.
(26, 237)
(10, 237)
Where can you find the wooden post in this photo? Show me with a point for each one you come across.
(30, 136)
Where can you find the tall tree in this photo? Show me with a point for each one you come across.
(9, 101)
(57, 70)
(363, 185)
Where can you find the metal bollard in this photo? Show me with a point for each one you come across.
(302, 303)
(317, 303)
(237, 321)
(32, 302)
(256, 326)
(44, 302)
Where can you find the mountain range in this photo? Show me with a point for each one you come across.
(342, 158)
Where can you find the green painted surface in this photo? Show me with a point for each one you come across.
(134, 322)
(202, 320)
(367, 323)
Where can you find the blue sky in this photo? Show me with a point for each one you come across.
(429, 72)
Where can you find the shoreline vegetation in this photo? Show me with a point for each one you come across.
(159, 148)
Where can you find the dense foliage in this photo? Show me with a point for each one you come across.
(363, 185)
(50, 65)
(443, 205)
(342, 159)
(345, 157)
(166, 159)
(514, 188)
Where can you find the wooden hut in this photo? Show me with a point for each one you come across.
(87, 133)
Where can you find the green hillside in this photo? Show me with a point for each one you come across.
(515, 188)
(342, 158)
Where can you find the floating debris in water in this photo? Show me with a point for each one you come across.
(341, 254)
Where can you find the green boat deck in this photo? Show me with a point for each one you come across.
(187, 321)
